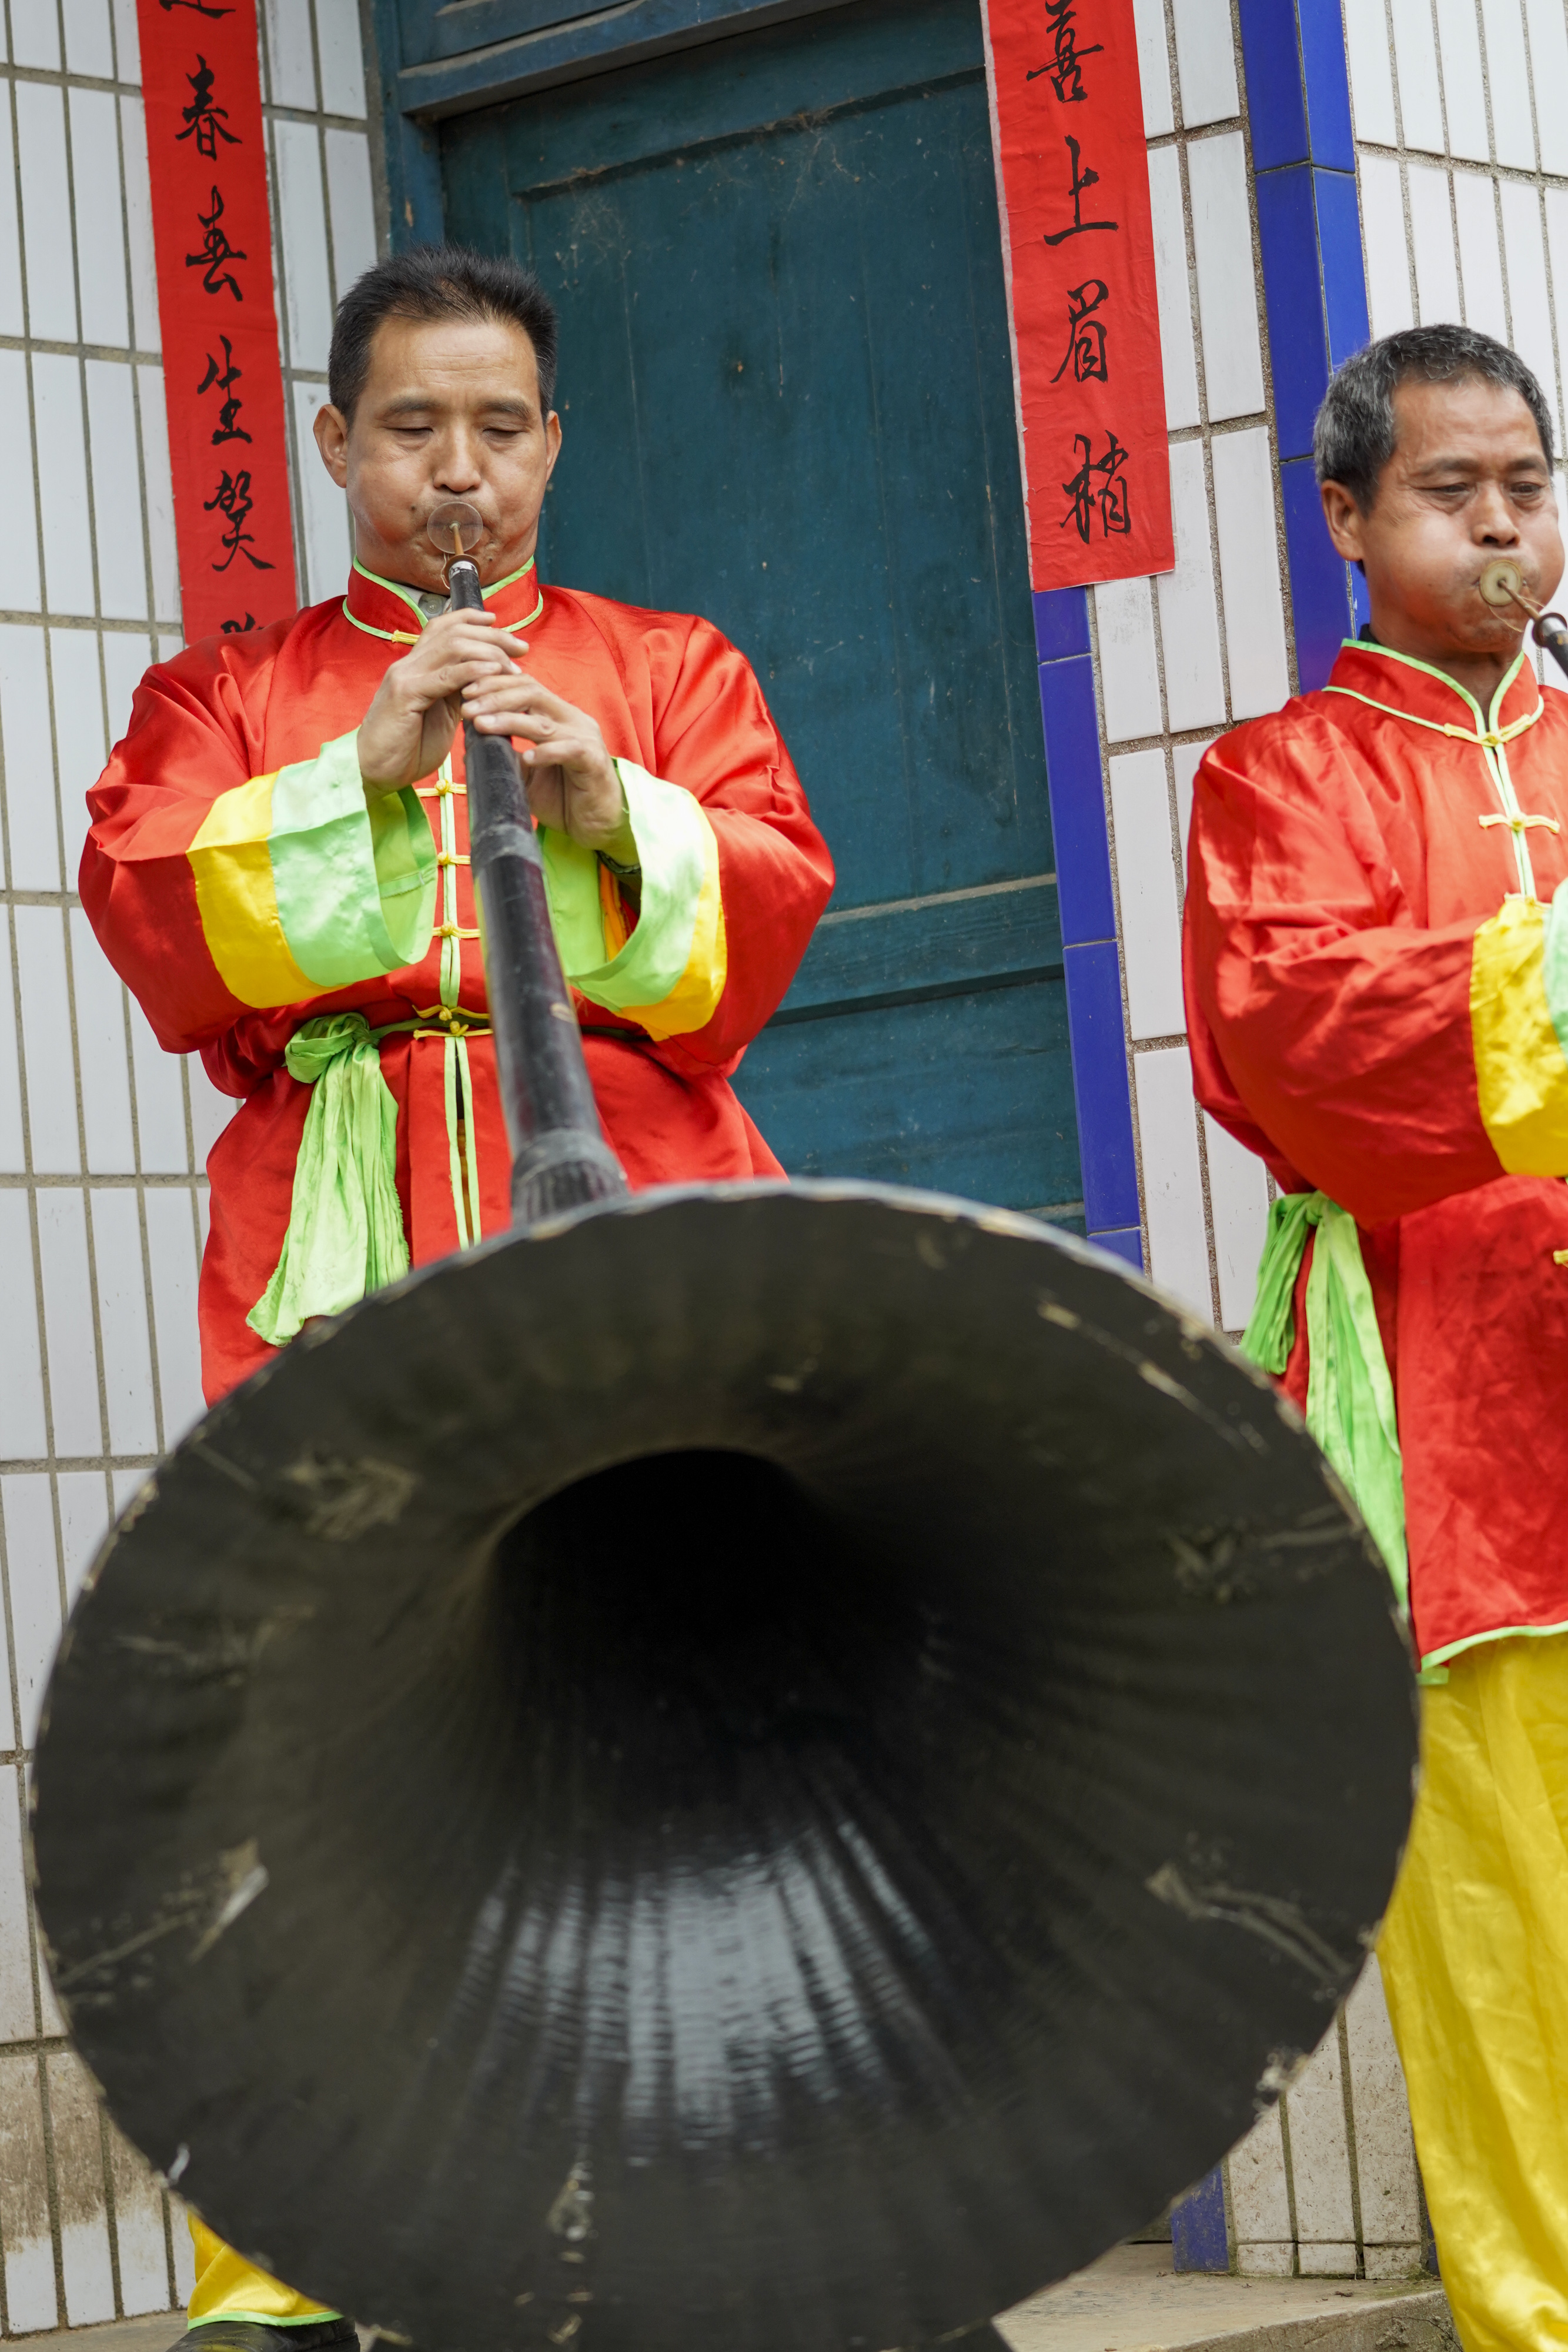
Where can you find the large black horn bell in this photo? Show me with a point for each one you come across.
(769, 1768)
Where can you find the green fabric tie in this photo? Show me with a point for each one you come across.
(1350, 1396)
(345, 1235)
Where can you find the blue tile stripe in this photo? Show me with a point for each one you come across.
(1199, 2240)
(1314, 282)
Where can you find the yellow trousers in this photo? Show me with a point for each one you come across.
(1474, 1954)
(228, 2287)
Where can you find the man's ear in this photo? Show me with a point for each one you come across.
(1343, 518)
(331, 431)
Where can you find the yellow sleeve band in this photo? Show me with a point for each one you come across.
(1521, 1072)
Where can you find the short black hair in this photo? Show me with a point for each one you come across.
(1354, 436)
(438, 281)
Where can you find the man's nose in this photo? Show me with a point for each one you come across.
(1493, 522)
(458, 467)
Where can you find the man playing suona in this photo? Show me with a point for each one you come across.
(1377, 965)
(277, 867)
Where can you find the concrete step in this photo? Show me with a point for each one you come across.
(1132, 2301)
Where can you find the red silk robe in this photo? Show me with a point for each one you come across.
(1368, 1006)
(219, 912)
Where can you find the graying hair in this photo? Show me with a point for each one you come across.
(1354, 436)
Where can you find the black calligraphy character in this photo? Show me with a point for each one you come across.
(232, 501)
(1066, 69)
(1085, 335)
(238, 628)
(1081, 180)
(199, 6)
(215, 250)
(1109, 493)
(204, 122)
(229, 428)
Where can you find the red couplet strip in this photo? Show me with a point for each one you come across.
(1067, 119)
(223, 377)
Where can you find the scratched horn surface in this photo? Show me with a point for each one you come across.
(757, 1769)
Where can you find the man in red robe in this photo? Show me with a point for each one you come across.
(1376, 966)
(277, 867)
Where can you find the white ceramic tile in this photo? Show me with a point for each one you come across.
(1267, 2261)
(1319, 2162)
(1129, 664)
(127, 41)
(1549, 71)
(1206, 62)
(288, 51)
(53, 2023)
(83, 1498)
(1327, 2261)
(1146, 891)
(1238, 1207)
(16, 2015)
(1415, 56)
(1259, 2202)
(1227, 295)
(19, 542)
(13, 1156)
(46, 211)
(1172, 287)
(1153, 66)
(127, 1485)
(1557, 248)
(32, 1575)
(122, 1319)
(162, 1144)
(185, 2250)
(11, 313)
(125, 660)
(78, 734)
(34, 41)
(102, 1046)
(1464, 84)
(210, 1111)
(1529, 301)
(1384, 2156)
(1432, 241)
(1508, 83)
(1249, 573)
(49, 1064)
(159, 488)
(30, 804)
(1481, 268)
(353, 206)
(326, 517)
(1370, 72)
(1383, 240)
(62, 483)
(342, 50)
(100, 247)
(1173, 1184)
(138, 226)
(303, 229)
(138, 2230)
(7, 1740)
(1189, 623)
(68, 1321)
(90, 41)
(116, 491)
(169, 644)
(24, 2205)
(172, 1251)
(23, 1437)
(85, 2266)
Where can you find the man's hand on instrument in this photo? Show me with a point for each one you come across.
(572, 784)
(408, 730)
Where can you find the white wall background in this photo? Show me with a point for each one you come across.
(102, 1137)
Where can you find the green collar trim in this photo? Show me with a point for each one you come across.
(1485, 724)
(411, 595)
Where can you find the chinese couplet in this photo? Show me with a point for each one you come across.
(1072, 181)
(222, 378)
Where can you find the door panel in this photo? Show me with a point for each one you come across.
(786, 396)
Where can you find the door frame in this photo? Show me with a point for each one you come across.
(1301, 162)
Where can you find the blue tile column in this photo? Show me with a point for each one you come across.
(1100, 1072)
(1199, 2238)
(1314, 283)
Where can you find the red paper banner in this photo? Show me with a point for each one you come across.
(222, 372)
(1067, 122)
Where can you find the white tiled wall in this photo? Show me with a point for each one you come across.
(103, 1136)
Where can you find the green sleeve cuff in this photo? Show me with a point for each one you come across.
(354, 876)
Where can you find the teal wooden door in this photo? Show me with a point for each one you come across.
(787, 397)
